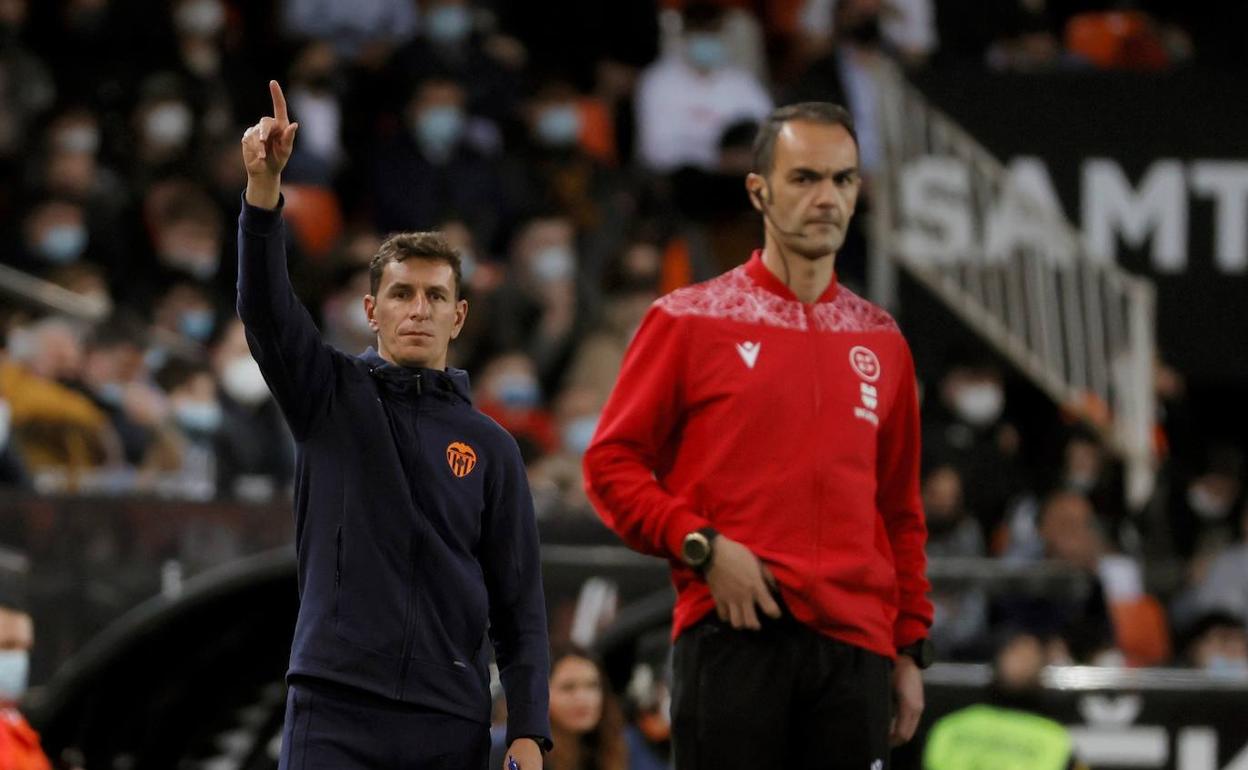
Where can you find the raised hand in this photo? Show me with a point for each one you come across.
(266, 150)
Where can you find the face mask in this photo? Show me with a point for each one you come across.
(6, 423)
(197, 324)
(979, 405)
(198, 416)
(553, 263)
(519, 391)
(559, 126)
(438, 130)
(243, 381)
(169, 124)
(705, 51)
(63, 244)
(1206, 505)
(1227, 667)
(202, 265)
(449, 24)
(14, 673)
(1081, 483)
(79, 139)
(155, 358)
(578, 433)
(111, 393)
(203, 18)
(467, 265)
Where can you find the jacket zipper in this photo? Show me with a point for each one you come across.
(409, 613)
(817, 482)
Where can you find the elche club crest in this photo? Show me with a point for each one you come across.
(461, 457)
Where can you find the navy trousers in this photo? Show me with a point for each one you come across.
(339, 728)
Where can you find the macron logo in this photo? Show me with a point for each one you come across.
(749, 352)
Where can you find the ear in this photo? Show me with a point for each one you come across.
(754, 184)
(370, 307)
(461, 315)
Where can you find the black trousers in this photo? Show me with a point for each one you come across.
(785, 697)
(339, 728)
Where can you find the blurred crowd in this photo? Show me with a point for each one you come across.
(585, 158)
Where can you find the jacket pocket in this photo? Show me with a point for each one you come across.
(452, 613)
(371, 595)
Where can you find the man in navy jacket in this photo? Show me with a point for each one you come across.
(414, 524)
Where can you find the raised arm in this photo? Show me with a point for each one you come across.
(282, 337)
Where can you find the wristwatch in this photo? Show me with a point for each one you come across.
(920, 652)
(698, 548)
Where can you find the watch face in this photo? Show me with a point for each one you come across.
(696, 549)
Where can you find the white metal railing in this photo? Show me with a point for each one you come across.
(1015, 270)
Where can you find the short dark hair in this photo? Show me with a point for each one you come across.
(432, 246)
(826, 113)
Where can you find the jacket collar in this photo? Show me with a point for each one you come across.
(449, 380)
(764, 278)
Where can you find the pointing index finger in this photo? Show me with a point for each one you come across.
(279, 103)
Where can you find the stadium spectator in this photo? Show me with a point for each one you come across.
(1217, 643)
(540, 304)
(254, 450)
(960, 620)
(1009, 730)
(585, 719)
(686, 99)
(438, 166)
(967, 427)
(20, 748)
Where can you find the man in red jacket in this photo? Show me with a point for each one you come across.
(763, 436)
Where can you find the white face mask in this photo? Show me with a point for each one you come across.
(554, 263)
(980, 405)
(243, 381)
(1205, 505)
(14, 674)
(202, 18)
(169, 124)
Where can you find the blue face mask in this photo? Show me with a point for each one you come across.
(578, 433)
(111, 393)
(705, 51)
(197, 324)
(63, 244)
(559, 126)
(519, 391)
(198, 416)
(438, 130)
(1226, 667)
(14, 674)
(449, 24)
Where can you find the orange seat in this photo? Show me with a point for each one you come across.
(1141, 630)
(1117, 40)
(315, 217)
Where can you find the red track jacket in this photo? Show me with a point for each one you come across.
(791, 428)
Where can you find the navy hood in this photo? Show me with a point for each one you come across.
(450, 380)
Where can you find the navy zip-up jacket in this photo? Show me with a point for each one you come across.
(414, 526)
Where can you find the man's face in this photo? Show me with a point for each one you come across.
(415, 313)
(812, 189)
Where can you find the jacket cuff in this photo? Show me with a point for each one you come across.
(522, 722)
(258, 221)
(908, 630)
(681, 523)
